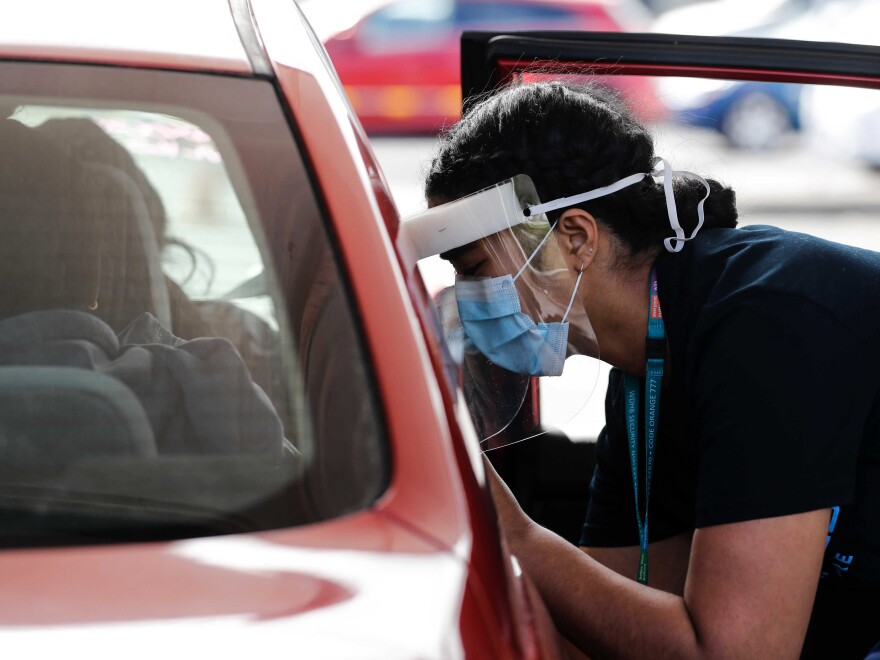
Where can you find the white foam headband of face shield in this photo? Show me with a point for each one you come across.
(661, 166)
(457, 223)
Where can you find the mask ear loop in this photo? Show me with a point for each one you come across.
(676, 243)
(534, 252)
(577, 283)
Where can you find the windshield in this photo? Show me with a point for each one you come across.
(178, 355)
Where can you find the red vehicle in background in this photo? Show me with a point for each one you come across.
(400, 63)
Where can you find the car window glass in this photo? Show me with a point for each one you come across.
(178, 355)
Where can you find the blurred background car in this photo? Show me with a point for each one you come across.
(731, 17)
(752, 115)
(400, 63)
(840, 119)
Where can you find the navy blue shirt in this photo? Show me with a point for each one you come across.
(770, 408)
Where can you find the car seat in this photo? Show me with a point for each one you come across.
(132, 281)
(52, 421)
(56, 415)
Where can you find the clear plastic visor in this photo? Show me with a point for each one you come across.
(512, 309)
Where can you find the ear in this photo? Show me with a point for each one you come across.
(578, 235)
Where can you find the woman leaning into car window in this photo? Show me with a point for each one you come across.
(735, 503)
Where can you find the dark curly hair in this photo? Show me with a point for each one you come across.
(570, 138)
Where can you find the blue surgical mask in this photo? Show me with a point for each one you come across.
(493, 320)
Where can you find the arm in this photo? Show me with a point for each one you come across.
(749, 589)
(775, 450)
(669, 561)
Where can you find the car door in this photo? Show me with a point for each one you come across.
(818, 174)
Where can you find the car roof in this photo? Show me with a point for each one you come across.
(195, 34)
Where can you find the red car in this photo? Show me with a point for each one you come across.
(229, 425)
(401, 67)
(224, 425)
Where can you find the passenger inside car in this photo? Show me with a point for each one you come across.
(80, 287)
(257, 343)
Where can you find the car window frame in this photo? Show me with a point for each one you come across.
(117, 90)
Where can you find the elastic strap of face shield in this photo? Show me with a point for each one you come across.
(672, 243)
(534, 252)
(576, 283)
(562, 202)
(676, 243)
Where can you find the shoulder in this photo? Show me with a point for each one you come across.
(786, 274)
(769, 256)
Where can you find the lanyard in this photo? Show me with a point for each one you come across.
(655, 352)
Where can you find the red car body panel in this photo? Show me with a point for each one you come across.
(159, 34)
(421, 574)
(321, 591)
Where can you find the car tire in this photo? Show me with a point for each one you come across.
(755, 121)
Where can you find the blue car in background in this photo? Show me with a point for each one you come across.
(750, 115)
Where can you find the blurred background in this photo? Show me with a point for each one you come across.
(799, 156)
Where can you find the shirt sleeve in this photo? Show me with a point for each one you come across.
(782, 390)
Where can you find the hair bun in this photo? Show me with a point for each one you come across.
(719, 209)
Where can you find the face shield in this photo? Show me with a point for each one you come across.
(513, 308)
(511, 311)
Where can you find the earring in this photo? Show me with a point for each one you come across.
(93, 305)
(590, 250)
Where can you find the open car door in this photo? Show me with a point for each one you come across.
(793, 126)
